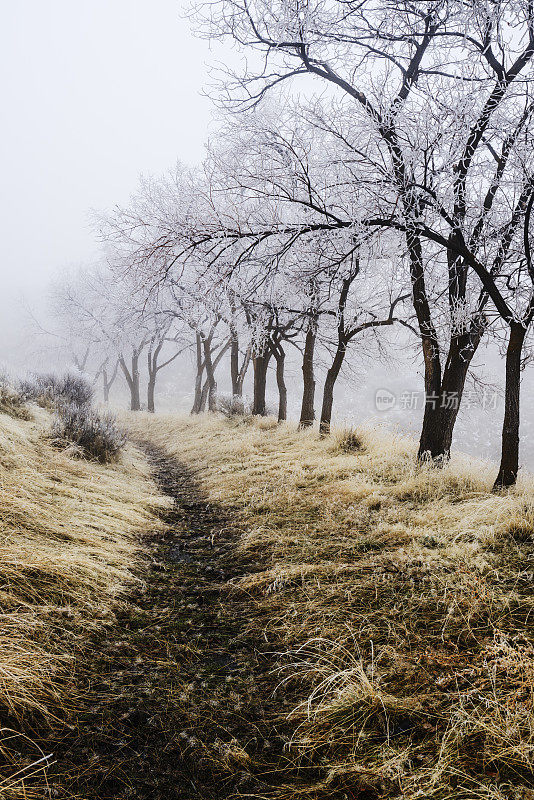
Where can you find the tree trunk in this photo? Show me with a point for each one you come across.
(108, 381)
(307, 413)
(461, 352)
(132, 379)
(212, 396)
(210, 372)
(234, 365)
(242, 373)
(198, 393)
(280, 357)
(260, 363)
(152, 373)
(328, 391)
(105, 384)
(443, 390)
(135, 390)
(153, 369)
(431, 441)
(204, 397)
(151, 391)
(197, 402)
(443, 403)
(510, 432)
(431, 444)
(209, 390)
(81, 363)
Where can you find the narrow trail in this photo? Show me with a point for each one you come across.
(180, 687)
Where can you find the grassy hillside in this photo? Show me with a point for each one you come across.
(67, 547)
(401, 599)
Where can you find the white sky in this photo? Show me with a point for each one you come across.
(93, 93)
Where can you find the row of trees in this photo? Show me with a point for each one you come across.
(104, 330)
(400, 193)
(107, 327)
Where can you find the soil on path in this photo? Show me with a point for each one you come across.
(179, 690)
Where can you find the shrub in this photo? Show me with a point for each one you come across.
(96, 435)
(12, 401)
(75, 389)
(48, 390)
(350, 441)
(39, 388)
(232, 405)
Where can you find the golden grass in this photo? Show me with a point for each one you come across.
(402, 596)
(11, 403)
(67, 548)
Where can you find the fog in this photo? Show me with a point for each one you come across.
(95, 94)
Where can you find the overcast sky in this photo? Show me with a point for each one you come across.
(93, 93)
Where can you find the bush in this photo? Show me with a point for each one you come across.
(75, 389)
(96, 435)
(93, 435)
(39, 388)
(49, 390)
(350, 441)
(232, 405)
(12, 401)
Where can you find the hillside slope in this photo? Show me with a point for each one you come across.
(67, 549)
(399, 601)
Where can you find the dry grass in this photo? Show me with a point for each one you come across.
(402, 595)
(11, 402)
(67, 548)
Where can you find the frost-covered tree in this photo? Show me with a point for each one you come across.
(81, 327)
(433, 100)
(156, 241)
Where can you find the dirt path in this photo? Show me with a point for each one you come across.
(180, 689)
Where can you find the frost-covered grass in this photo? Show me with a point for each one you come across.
(68, 545)
(400, 596)
(12, 401)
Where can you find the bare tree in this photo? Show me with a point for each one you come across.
(131, 373)
(519, 320)
(108, 376)
(307, 410)
(161, 338)
(442, 156)
(349, 326)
